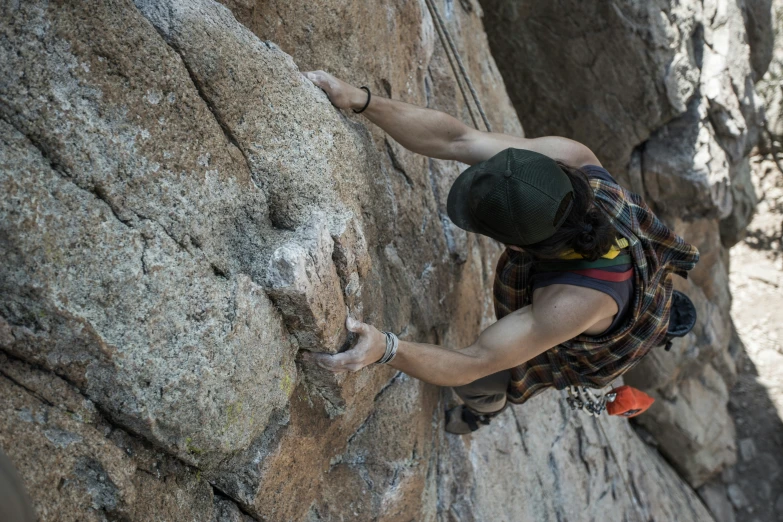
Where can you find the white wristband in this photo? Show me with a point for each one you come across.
(392, 343)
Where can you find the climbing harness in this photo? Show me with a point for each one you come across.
(458, 69)
(582, 398)
(625, 401)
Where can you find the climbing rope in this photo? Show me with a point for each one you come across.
(458, 69)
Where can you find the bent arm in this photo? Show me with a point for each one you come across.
(557, 316)
(514, 340)
(420, 130)
(438, 135)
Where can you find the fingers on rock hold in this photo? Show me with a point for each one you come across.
(317, 77)
(355, 325)
(313, 77)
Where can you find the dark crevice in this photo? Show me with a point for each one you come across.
(54, 164)
(30, 391)
(100, 192)
(387, 386)
(224, 127)
(227, 132)
(218, 493)
(372, 414)
(580, 439)
(219, 272)
(636, 494)
(43, 369)
(148, 472)
(341, 265)
(181, 244)
(398, 167)
(144, 268)
(521, 434)
(386, 87)
(428, 87)
(97, 190)
(552, 463)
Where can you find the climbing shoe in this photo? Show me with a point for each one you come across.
(461, 420)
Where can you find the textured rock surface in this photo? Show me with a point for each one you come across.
(771, 85)
(557, 450)
(760, 27)
(78, 467)
(664, 93)
(183, 212)
(615, 72)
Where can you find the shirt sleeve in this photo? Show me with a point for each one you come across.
(594, 171)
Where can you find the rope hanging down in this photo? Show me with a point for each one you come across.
(448, 44)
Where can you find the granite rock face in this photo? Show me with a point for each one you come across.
(183, 212)
(771, 85)
(76, 466)
(664, 93)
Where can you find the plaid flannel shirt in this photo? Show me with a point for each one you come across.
(657, 253)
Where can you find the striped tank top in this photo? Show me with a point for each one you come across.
(616, 281)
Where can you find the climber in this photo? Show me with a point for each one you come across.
(582, 290)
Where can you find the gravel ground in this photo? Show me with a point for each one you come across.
(754, 486)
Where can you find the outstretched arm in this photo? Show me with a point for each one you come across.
(559, 315)
(438, 135)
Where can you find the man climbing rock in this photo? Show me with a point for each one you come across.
(583, 290)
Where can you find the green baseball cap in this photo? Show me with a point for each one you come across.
(517, 196)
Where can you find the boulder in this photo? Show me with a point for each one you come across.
(183, 212)
(605, 74)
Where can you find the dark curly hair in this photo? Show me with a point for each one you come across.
(586, 230)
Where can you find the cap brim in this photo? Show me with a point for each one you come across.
(457, 205)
